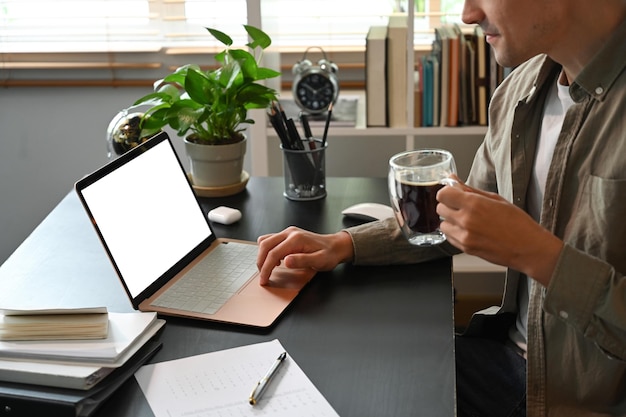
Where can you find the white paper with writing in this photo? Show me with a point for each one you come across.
(219, 384)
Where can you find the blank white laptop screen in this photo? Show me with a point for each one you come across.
(152, 223)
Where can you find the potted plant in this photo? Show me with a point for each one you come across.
(208, 108)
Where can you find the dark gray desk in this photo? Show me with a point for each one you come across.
(376, 341)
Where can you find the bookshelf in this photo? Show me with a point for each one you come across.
(348, 146)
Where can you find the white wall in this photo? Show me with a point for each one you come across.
(51, 137)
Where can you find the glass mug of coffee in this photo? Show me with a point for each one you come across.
(414, 179)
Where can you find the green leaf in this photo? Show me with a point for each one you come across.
(241, 55)
(154, 120)
(221, 57)
(153, 98)
(256, 96)
(176, 78)
(170, 90)
(247, 63)
(147, 133)
(221, 36)
(183, 115)
(259, 38)
(183, 70)
(265, 73)
(230, 77)
(157, 112)
(198, 86)
(212, 104)
(185, 104)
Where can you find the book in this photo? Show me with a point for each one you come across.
(376, 76)
(65, 374)
(482, 80)
(54, 324)
(436, 91)
(418, 94)
(59, 375)
(441, 49)
(397, 71)
(127, 332)
(454, 71)
(468, 78)
(27, 400)
(427, 86)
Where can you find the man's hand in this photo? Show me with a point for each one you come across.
(298, 248)
(486, 225)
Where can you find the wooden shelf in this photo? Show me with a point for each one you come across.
(387, 131)
(360, 129)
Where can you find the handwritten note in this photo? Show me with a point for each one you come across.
(218, 384)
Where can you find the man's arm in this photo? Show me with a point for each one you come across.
(299, 248)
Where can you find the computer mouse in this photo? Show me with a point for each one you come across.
(224, 215)
(368, 211)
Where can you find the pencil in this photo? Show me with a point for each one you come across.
(305, 125)
(294, 136)
(330, 112)
(277, 122)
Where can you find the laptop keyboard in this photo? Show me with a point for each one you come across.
(213, 280)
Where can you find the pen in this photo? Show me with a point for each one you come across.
(256, 393)
(304, 120)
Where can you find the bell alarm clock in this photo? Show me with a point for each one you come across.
(315, 87)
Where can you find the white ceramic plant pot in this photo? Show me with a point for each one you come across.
(216, 165)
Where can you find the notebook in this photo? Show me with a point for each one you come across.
(156, 235)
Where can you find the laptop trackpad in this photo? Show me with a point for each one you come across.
(287, 278)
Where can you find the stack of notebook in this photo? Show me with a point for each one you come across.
(67, 362)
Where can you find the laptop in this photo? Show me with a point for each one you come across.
(157, 237)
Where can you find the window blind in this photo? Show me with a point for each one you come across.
(134, 25)
(77, 26)
(123, 38)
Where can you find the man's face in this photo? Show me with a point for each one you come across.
(517, 29)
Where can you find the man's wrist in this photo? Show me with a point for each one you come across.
(543, 259)
(344, 246)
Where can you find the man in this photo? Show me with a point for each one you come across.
(546, 198)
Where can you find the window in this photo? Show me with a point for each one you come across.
(133, 37)
(121, 25)
(75, 26)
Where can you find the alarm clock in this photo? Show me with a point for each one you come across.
(315, 87)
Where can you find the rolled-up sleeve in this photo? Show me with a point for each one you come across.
(382, 243)
(588, 294)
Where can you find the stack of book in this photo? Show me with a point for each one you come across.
(67, 362)
(452, 84)
(386, 73)
(455, 81)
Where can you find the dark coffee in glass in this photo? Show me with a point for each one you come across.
(415, 177)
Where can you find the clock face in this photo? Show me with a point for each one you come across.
(315, 92)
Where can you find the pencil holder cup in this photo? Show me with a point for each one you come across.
(305, 171)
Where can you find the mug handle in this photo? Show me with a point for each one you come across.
(449, 181)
